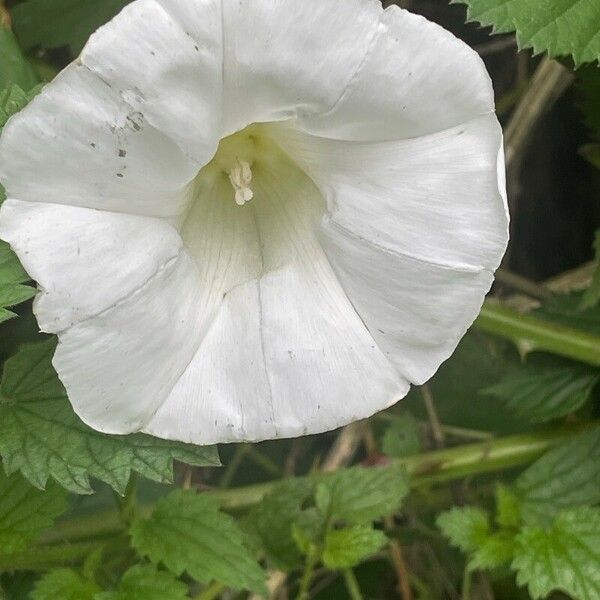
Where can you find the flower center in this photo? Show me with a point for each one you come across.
(240, 177)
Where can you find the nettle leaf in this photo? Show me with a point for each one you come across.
(41, 436)
(55, 23)
(25, 512)
(360, 495)
(544, 391)
(402, 437)
(145, 582)
(565, 477)
(65, 584)
(559, 27)
(15, 67)
(271, 521)
(347, 547)
(466, 527)
(564, 557)
(12, 276)
(591, 296)
(495, 551)
(187, 532)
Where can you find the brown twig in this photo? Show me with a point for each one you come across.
(439, 437)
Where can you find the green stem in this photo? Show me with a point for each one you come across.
(466, 584)
(211, 592)
(352, 585)
(41, 558)
(427, 468)
(531, 333)
(307, 575)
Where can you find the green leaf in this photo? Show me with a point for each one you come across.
(565, 309)
(359, 495)
(544, 391)
(65, 584)
(466, 527)
(55, 23)
(271, 521)
(41, 436)
(559, 27)
(591, 296)
(591, 153)
(145, 582)
(402, 437)
(508, 508)
(349, 546)
(565, 557)
(25, 512)
(187, 532)
(495, 551)
(15, 67)
(12, 275)
(565, 477)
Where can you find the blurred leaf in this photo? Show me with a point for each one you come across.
(591, 153)
(26, 511)
(187, 532)
(565, 477)
(271, 521)
(41, 436)
(559, 27)
(15, 67)
(65, 584)
(145, 582)
(402, 437)
(495, 551)
(565, 309)
(588, 96)
(544, 389)
(466, 527)
(591, 296)
(349, 546)
(55, 23)
(565, 557)
(360, 495)
(508, 508)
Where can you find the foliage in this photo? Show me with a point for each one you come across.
(559, 27)
(187, 532)
(41, 436)
(90, 516)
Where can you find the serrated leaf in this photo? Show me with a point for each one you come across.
(12, 292)
(15, 67)
(65, 584)
(544, 391)
(55, 23)
(41, 436)
(508, 508)
(565, 477)
(25, 512)
(559, 27)
(271, 521)
(591, 296)
(466, 527)
(565, 557)
(402, 437)
(496, 551)
(187, 532)
(145, 582)
(360, 495)
(347, 547)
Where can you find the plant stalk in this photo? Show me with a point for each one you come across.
(531, 333)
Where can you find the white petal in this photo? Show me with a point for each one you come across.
(291, 57)
(79, 143)
(84, 260)
(120, 365)
(287, 354)
(438, 198)
(417, 79)
(165, 59)
(416, 311)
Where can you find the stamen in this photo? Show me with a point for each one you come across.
(240, 177)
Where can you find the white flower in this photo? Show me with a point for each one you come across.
(252, 219)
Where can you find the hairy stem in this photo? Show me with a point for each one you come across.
(531, 333)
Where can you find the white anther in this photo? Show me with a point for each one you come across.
(241, 177)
